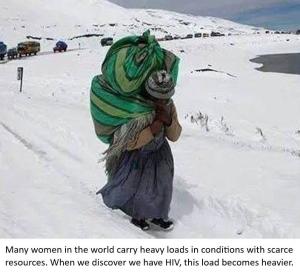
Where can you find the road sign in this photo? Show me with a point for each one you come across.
(20, 77)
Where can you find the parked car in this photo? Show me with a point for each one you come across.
(3, 50)
(205, 35)
(216, 34)
(28, 48)
(108, 41)
(12, 53)
(298, 32)
(60, 46)
(168, 37)
(176, 37)
(189, 36)
(198, 35)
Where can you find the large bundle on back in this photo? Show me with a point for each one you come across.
(116, 95)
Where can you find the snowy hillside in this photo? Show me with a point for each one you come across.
(70, 18)
(236, 176)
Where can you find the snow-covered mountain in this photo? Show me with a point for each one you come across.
(70, 18)
(236, 170)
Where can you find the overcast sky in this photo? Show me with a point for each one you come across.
(283, 14)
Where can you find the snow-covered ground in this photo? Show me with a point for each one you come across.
(238, 178)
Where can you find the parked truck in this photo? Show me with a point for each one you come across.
(3, 50)
(28, 48)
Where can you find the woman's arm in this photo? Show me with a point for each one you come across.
(173, 131)
(143, 138)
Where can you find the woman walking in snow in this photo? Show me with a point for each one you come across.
(140, 181)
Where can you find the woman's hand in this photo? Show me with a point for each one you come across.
(163, 113)
(156, 127)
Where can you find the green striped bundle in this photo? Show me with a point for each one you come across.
(116, 95)
(110, 109)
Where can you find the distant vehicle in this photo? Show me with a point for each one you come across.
(216, 34)
(176, 37)
(168, 37)
(298, 32)
(60, 46)
(189, 36)
(267, 32)
(198, 35)
(108, 41)
(12, 53)
(277, 32)
(205, 35)
(28, 48)
(3, 50)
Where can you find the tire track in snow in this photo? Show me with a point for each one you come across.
(35, 150)
(40, 153)
(63, 151)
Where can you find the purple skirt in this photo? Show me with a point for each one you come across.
(142, 187)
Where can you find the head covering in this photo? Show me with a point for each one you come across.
(160, 85)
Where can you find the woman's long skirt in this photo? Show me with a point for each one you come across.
(143, 184)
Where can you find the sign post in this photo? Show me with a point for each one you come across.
(20, 77)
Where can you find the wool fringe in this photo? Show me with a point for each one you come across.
(122, 136)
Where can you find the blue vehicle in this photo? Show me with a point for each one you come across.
(3, 50)
(60, 46)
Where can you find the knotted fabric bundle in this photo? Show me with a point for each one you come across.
(116, 96)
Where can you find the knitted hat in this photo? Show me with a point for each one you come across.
(160, 85)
